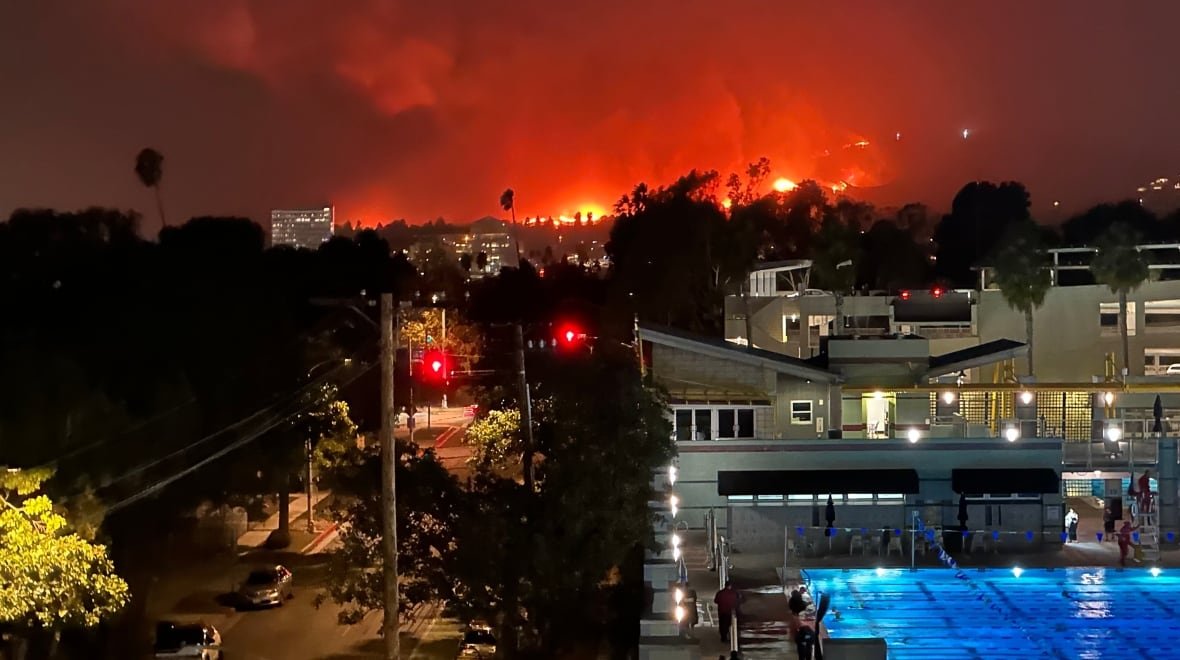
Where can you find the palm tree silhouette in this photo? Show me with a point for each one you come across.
(149, 167)
(1121, 266)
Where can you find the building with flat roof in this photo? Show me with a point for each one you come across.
(301, 228)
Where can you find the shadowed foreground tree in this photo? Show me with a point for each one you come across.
(545, 563)
(1121, 267)
(980, 215)
(1023, 276)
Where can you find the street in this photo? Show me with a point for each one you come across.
(298, 630)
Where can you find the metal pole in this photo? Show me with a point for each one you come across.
(913, 538)
(447, 375)
(310, 494)
(390, 625)
(526, 410)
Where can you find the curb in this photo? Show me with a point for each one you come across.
(319, 539)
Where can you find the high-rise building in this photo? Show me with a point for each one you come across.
(301, 228)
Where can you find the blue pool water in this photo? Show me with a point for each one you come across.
(1058, 613)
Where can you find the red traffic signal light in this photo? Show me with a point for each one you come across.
(570, 335)
(434, 364)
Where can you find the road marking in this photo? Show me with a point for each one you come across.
(438, 610)
(445, 436)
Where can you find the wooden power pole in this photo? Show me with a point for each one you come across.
(388, 478)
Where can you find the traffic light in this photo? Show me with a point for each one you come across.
(434, 365)
(570, 335)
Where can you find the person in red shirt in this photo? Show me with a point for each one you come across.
(1145, 492)
(1125, 541)
(727, 600)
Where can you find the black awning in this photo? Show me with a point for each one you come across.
(1005, 480)
(816, 482)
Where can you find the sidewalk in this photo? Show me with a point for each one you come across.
(259, 532)
(762, 628)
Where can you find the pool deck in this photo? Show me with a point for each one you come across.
(763, 630)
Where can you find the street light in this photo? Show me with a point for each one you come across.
(674, 504)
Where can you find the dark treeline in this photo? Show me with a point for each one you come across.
(676, 251)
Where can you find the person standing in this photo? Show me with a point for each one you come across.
(1125, 541)
(727, 600)
(1145, 492)
(1071, 525)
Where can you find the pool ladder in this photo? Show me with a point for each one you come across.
(1149, 534)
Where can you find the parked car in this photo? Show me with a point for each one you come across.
(267, 586)
(1173, 369)
(478, 642)
(194, 640)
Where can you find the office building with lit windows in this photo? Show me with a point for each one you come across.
(301, 228)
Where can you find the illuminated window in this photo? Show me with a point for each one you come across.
(801, 412)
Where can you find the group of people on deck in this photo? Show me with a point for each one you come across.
(1142, 501)
(802, 631)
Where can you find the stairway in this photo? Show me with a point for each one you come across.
(1149, 534)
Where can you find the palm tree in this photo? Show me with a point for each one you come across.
(508, 202)
(1021, 274)
(1120, 266)
(149, 167)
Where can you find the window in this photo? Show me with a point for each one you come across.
(859, 496)
(1161, 314)
(801, 499)
(745, 423)
(683, 425)
(1109, 318)
(725, 425)
(801, 412)
(704, 424)
(890, 496)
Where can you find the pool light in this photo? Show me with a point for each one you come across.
(674, 504)
(880, 572)
(914, 435)
(675, 540)
(676, 553)
(678, 595)
(1155, 571)
(672, 472)
(1017, 571)
(679, 613)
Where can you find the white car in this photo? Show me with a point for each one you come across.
(478, 642)
(195, 640)
(1173, 369)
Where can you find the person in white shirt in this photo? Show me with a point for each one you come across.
(1071, 525)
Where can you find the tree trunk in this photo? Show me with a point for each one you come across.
(1028, 337)
(281, 537)
(1123, 331)
(160, 206)
(838, 323)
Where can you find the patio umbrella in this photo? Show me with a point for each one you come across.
(1158, 411)
(962, 511)
(830, 516)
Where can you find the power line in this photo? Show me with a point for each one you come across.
(150, 464)
(159, 485)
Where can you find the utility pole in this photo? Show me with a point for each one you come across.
(447, 375)
(310, 494)
(526, 409)
(390, 625)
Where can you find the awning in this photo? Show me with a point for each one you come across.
(816, 482)
(1005, 480)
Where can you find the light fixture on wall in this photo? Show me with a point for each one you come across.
(1108, 398)
(1012, 434)
(1026, 397)
(948, 397)
(914, 435)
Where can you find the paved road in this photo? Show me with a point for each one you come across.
(298, 630)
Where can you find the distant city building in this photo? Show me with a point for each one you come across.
(301, 228)
(488, 236)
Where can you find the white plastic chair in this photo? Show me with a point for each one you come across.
(792, 550)
(894, 544)
(857, 541)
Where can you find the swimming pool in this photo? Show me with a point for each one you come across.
(1043, 613)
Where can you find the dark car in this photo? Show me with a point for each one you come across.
(267, 586)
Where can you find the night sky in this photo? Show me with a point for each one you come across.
(422, 109)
